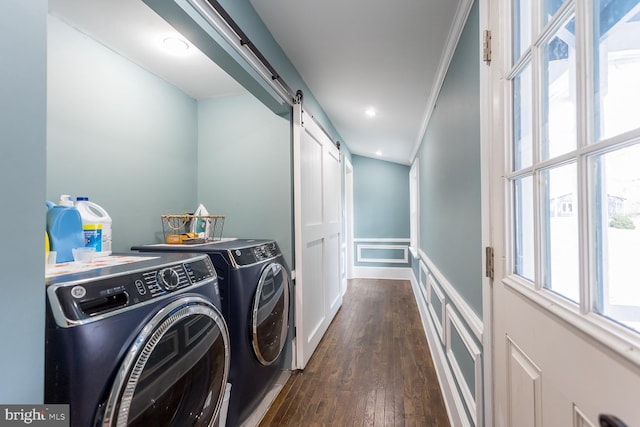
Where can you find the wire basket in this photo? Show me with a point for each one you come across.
(191, 229)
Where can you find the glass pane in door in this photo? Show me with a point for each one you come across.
(560, 231)
(524, 259)
(550, 8)
(270, 316)
(523, 119)
(522, 13)
(559, 93)
(615, 177)
(617, 67)
(182, 380)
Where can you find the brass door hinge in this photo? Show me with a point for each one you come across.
(486, 47)
(488, 251)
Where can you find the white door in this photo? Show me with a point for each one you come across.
(565, 209)
(317, 233)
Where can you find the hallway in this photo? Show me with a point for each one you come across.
(373, 367)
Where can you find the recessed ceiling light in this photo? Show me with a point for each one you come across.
(370, 112)
(378, 153)
(175, 46)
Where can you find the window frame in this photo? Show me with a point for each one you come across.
(581, 315)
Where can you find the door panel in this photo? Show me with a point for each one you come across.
(332, 182)
(334, 296)
(311, 180)
(317, 235)
(524, 388)
(547, 371)
(313, 314)
(333, 229)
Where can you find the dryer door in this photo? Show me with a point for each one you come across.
(270, 315)
(175, 373)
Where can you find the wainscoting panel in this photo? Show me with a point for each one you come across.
(424, 281)
(454, 333)
(381, 258)
(437, 308)
(382, 252)
(452, 399)
(430, 284)
(471, 394)
(394, 254)
(468, 315)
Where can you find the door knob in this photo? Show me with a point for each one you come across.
(607, 420)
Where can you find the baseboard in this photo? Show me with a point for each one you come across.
(392, 273)
(452, 398)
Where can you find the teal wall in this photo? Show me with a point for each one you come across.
(380, 213)
(244, 169)
(146, 148)
(450, 228)
(23, 45)
(450, 195)
(380, 198)
(119, 135)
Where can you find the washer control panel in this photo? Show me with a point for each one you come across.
(159, 282)
(264, 252)
(254, 254)
(168, 278)
(80, 301)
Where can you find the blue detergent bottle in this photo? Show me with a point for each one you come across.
(64, 225)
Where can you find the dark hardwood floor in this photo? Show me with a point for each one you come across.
(373, 367)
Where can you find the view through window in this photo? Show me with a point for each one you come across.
(575, 91)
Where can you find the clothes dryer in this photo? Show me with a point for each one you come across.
(139, 344)
(255, 294)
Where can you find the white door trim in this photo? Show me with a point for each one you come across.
(486, 132)
(348, 208)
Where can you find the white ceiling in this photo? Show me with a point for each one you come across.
(132, 29)
(353, 55)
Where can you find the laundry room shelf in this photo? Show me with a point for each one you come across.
(187, 228)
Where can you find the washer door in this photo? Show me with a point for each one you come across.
(175, 373)
(270, 315)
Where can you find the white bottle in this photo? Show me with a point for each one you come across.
(96, 225)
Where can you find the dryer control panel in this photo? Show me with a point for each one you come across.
(79, 302)
(253, 254)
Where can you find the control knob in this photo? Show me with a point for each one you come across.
(168, 278)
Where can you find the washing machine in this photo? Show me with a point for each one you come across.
(255, 293)
(140, 343)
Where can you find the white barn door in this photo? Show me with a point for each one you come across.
(317, 233)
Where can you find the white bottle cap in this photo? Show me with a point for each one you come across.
(65, 200)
